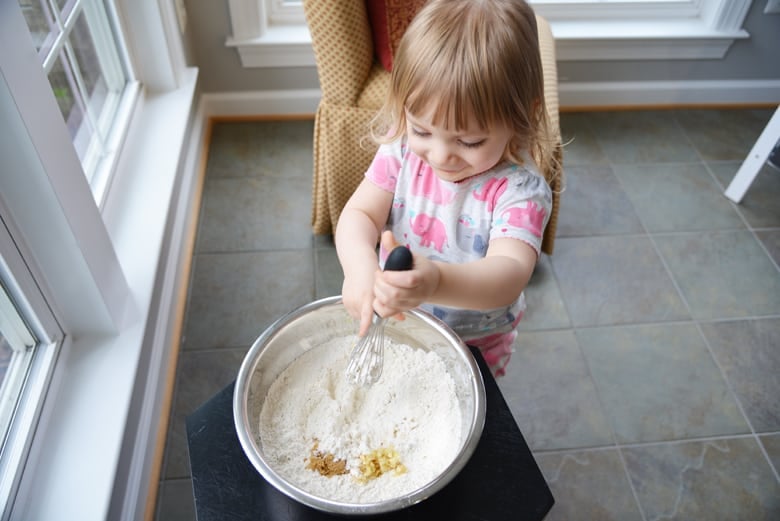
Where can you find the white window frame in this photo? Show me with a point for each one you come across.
(644, 30)
(28, 298)
(109, 275)
(271, 33)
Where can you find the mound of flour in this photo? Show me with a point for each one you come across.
(413, 408)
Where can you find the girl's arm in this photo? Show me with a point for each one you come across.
(494, 281)
(360, 223)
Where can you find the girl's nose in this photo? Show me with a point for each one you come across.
(440, 154)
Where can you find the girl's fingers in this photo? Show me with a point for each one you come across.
(366, 315)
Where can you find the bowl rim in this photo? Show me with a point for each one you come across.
(250, 448)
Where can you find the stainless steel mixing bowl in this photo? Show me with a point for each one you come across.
(318, 322)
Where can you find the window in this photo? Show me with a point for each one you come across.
(644, 29)
(29, 343)
(270, 33)
(285, 12)
(77, 48)
(17, 348)
(84, 275)
(267, 33)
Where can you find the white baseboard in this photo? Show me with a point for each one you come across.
(654, 93)
(261, 103)
(579, 95)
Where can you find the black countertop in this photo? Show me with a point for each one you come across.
(501, 481)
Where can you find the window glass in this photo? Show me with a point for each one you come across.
(17, 348)
(63, 84)
(39, 20)
(77, 48)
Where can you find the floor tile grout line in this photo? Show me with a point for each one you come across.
(631, 486)
(738, 209)
(735, 395)
(573, 330)
(697, 323)
(654, 443)
(612, 431)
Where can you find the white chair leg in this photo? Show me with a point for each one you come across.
(755, 159)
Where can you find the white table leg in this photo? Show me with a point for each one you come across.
(755, 159)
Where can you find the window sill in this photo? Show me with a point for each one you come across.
(75, 460)
(601, 41)
(290, 46)
(280, 46)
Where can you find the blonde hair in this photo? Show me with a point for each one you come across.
(472, 57)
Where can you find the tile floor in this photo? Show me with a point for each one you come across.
(645, 375)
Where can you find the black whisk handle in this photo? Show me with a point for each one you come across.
(400, 259)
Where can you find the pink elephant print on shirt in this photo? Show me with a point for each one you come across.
(490, 191)
(384, 171)
(426, 184)
(530, 218)
(430, 230)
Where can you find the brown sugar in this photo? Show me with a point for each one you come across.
(326, 463)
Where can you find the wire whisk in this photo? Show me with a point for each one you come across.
(367, 357)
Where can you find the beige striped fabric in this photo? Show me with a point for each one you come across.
(353, 87)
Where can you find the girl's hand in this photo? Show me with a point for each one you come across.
(398, 291)
(357, 293)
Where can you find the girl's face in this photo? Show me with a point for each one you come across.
(455, 155)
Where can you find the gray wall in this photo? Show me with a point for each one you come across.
(208, 26)
(221, 71)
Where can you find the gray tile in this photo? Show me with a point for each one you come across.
(722, 274)
(771, 241)
(588, 485)
(760, 205)
(199, 376)
(659, 382)
(545, 308)
(723, 134)
(642, 137)
(235, 296)
(176, 501)
(579, 139)
(248, 214)
(551, 395)
(747, 351)
(771, 443)
(677, 197)
(261, 148)
(328, 274)
(726, 479)
(614, 280)
(594, 203)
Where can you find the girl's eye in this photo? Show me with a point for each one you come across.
(421, 133)
(475, 144)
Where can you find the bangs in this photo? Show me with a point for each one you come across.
(451, 105)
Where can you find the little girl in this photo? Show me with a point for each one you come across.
(455, 178)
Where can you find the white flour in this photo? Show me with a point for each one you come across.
(412, 408)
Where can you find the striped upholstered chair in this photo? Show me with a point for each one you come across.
(354, 80)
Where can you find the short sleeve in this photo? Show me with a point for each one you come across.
(386, 166)
(523, 210)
